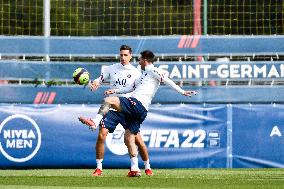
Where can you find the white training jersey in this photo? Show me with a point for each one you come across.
(147, 85)
(120, 76)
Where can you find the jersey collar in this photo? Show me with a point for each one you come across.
(149, 67)
(127, 66)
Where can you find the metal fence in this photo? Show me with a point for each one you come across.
(135, 17)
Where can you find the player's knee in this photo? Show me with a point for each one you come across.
(129, 138)
(107, 99)
(128, 142)
(110, 100)
(132, 149)
(102, 136)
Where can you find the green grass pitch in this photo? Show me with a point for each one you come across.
(163, 178)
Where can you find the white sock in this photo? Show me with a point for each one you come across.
(99, 164)
(98, 119)
(134, 164)
(147, 164)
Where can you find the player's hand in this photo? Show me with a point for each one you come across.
(109, 91)
(94, 85)
(190, 93)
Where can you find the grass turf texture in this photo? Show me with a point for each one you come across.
(163, 178)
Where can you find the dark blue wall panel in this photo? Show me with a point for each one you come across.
(27, 94)
(161, 45)
(258, 132)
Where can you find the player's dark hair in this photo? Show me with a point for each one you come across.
(125, 47)
(148, 55)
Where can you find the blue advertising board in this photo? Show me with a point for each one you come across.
(186, 135)
(258, 135)
(176, 135)
(178, 71)
(50, 136)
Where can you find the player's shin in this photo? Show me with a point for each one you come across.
(100, 148)
(129, 140)
(102, 111)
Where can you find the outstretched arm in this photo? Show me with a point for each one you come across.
(172, 84)
(163, 78)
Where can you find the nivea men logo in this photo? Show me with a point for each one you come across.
(20, 138)
(115, 141)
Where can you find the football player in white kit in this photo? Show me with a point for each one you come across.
(131, 111)
(120, 75)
